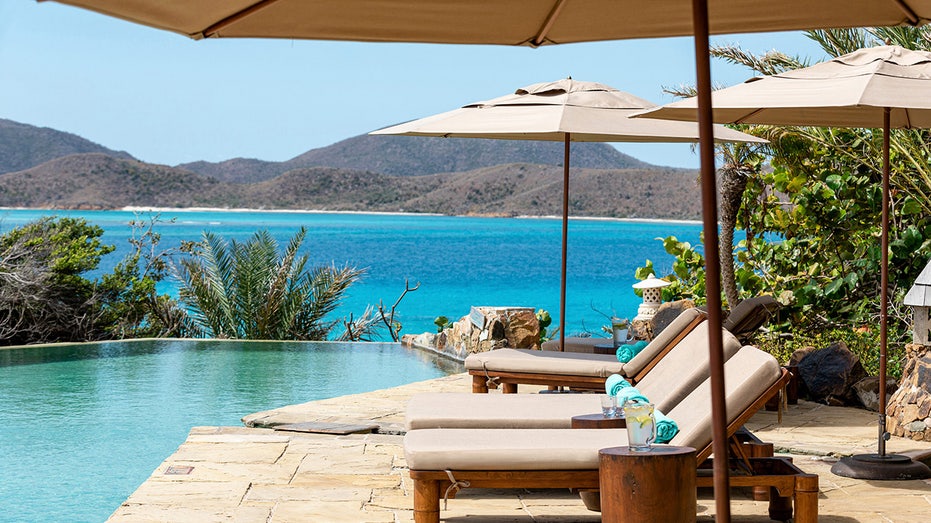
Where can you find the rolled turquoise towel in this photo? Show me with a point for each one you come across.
(666, 429)
(630, 394)
(615, 383)
(627, 352)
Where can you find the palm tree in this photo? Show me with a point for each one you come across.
(247, 291)
(740, 162)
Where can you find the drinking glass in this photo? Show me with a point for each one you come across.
(620, 330)
(608, 406)
(641, 427)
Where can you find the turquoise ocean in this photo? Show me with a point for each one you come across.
(459, 262)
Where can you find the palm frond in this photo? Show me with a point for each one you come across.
(837, 42)
(770, 63)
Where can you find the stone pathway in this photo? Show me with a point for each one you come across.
(243, 474)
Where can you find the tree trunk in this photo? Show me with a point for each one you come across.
(733, 183)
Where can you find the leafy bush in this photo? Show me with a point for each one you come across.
(864, 342)
(45, 297)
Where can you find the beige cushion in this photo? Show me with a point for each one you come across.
(508, 449)
(663, 339)
(747, 375)
(437, 410)
(749, 315)
(540, 362)
(683, 369)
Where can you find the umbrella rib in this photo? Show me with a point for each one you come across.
(908, 11)
(537, 40)
(742, 119)
(235, 17)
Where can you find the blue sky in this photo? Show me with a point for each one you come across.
(167, 99)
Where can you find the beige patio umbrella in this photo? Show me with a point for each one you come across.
(503, 22)
(564, 111)
(534, 23)
(886, 86)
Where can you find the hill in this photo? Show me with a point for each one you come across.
(99, 181)
(414, 156)
(23, 146)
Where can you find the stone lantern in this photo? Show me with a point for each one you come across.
(652, 288)
(919, 298)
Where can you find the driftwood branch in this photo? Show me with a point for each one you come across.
(388, 318)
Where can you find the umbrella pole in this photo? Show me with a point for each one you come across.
(565, 243)
(882, 466)
(709, 199)
(884, 287)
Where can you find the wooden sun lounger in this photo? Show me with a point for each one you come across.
(669, 380)
(511, 367)
(444, 460)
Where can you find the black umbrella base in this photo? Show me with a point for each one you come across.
(886, 467)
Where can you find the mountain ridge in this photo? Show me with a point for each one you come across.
(414, 156)
(362, 180)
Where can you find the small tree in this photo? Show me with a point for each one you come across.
(131, 306)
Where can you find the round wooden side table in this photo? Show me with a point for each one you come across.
(646, 487)
(597, 421)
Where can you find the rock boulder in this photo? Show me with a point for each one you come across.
(828, 375)
(867, 391)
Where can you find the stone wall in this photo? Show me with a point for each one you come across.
(483, 329)
(908, 413)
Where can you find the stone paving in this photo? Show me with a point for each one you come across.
(243, 474)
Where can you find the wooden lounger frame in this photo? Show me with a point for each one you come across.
(783, 479)
(482, 379)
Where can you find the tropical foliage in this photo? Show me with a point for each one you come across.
(811, 220)
(246, 290)
(45, 295)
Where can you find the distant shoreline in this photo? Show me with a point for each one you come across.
(376, 213)
(400, 213)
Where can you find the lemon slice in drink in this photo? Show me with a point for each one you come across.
(641, 420)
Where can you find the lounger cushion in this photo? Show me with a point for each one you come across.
(508, 449)
(574, 363)
(749, 315)
(747, 375)
(506, 411)
(661, 341)
(540, 362)
(683, 369)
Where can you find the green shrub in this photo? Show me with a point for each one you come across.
(863, 342)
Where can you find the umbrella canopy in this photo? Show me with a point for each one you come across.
(849, 91)
(514, 22)
(584, 111)
(565, 110)
(885, 86)
(534, 23)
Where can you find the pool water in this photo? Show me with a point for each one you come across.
(82, 426)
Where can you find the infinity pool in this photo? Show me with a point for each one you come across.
(82, 426)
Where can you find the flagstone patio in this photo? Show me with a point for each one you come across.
(245, 474)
